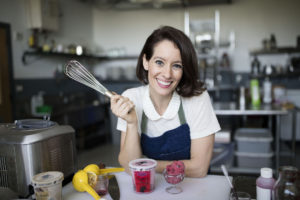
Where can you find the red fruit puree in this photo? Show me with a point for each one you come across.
(101, 192)
(142, 181)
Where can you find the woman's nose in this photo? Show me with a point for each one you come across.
(167, 72)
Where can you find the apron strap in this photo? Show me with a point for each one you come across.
(180, 115)
(144, 123)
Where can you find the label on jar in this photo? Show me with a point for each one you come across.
(263, 194)
(143, 181)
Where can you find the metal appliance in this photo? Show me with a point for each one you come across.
(32, 146)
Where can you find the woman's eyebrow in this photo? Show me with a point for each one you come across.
(158, 57)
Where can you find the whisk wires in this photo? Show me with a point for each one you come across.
(79, 73)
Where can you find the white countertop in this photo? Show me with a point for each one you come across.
(211, 187)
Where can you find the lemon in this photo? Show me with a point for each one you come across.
(92, 179)
(92, 168)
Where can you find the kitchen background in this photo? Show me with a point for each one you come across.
(107, 36)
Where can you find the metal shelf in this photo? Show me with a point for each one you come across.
(279, 50)
(27, 54)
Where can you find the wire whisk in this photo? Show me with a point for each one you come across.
(77, 72)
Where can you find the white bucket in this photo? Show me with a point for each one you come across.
(48, 185)
(143, 174)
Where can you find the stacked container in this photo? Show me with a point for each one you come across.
(253, 147)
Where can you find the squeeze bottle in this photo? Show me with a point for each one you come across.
(264, 184)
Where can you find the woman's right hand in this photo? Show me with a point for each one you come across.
(124, 108)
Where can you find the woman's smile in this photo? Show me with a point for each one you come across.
(164, 84)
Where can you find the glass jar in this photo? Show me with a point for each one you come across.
(287, 185)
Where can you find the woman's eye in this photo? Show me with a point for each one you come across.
(177, 66)
(159, 62)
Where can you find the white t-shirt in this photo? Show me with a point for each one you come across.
(198, 111)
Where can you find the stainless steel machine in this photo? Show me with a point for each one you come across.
(32, 146)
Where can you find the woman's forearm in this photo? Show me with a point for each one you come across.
(195, 170)
(130, 146)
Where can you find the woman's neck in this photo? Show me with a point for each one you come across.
(160, 103)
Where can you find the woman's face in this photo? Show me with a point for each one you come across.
(164, 68)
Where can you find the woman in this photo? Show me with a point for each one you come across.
(171, 116)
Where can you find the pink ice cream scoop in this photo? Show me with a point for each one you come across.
(174, 173)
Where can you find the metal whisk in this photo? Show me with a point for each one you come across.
(79, 73)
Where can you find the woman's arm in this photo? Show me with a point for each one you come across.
(201, 153)
(130, 147)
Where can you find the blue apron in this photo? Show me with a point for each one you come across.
(174, 144)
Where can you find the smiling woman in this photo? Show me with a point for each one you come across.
(171, 116)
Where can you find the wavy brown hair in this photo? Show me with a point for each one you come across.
(189, 84)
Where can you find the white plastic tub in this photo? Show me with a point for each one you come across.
(253, 140)
(48, 185)
(254, 160)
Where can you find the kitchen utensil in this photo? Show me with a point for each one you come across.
(80, 183)
(95, 169)
(79, 73)
(113, 188)
(32, 146)
(225, 172)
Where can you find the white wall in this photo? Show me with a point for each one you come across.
(251, 20)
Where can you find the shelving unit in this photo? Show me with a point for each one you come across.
(205, 36)
(270, 111)
(27, 54)
(279, 50)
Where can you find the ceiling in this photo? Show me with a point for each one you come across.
(146, 4)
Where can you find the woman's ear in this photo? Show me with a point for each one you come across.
(145, 63)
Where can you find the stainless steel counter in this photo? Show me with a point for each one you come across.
(231, 108)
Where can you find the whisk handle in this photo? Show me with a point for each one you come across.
(108, 94)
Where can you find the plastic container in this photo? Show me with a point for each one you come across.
(143, 174)
(254, 160)
(255, 93)
(264, 184)
(48, 185)
(248, 138)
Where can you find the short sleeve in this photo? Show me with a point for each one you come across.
(200, 116)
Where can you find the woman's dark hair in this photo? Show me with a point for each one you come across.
(189, 84)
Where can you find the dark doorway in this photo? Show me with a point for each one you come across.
(6, 75)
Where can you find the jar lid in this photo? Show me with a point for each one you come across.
(266, 172)
(142, 164)
(47, 178)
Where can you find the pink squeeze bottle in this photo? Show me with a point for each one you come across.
(264, 184)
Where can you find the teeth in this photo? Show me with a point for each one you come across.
(163, 82)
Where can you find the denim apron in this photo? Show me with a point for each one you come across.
(174, 144)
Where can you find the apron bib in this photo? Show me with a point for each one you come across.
(174, 144)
